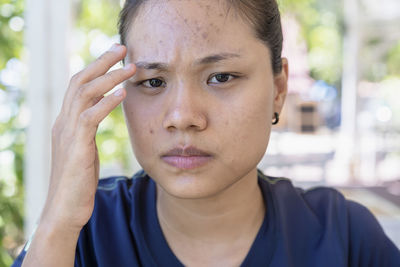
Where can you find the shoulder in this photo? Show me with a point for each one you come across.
(349, 225)
(318, 200)
(369, 245)
(316, 213)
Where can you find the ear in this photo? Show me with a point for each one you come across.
(281, 86)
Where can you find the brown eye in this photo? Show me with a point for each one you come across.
(221, 78)
(153, 83)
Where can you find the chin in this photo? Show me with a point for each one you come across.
(187, 185)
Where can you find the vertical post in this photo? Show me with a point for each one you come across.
(46, 38)
(345, 154)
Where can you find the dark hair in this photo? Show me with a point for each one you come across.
(263, 16)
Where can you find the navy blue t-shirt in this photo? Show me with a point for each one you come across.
(317, 227)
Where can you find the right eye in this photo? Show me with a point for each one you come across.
(153, 83)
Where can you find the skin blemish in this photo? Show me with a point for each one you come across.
(200, 4)
(204, 35)
(151, 131)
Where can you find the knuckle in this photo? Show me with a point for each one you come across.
(83, 91)
(85, 118)
(114, 77)
(97, 100)
(105, 56)
(106, 102)
(109, 102)
(77, 78)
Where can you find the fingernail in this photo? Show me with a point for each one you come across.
(115, 47)
(119, 92)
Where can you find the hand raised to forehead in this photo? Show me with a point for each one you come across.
(75, 162)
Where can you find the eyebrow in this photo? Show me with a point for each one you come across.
(203, 61)
(151, 66)
(216, 58)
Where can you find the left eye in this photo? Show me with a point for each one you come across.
(221, 78)
(153, 83)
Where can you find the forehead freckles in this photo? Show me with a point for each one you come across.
(181, 31)
(201, 20)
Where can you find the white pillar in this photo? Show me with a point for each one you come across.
(345, 155)
(48, 23)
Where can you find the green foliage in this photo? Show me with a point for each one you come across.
(12, 136)
(393, 60)
(321, 22)
(10, 41)
(98, 14)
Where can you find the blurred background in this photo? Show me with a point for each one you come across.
(340, 126)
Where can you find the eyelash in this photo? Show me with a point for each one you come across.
(232, 76)
(143, 82)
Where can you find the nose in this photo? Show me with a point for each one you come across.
(186, 110)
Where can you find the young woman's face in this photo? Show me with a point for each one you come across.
(204, 82)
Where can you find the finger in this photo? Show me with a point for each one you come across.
(105, 83)
(95, 69)
(91, 93)
(102, 64)
(91, 118)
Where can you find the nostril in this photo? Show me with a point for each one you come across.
(194, 122)
(186, 116)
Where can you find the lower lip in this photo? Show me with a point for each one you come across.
(186, 162)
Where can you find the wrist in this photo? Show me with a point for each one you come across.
(51, 245)
(53, 219)
(52, 228)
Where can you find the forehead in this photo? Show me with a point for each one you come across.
(184, 29)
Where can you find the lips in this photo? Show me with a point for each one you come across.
(186, 158)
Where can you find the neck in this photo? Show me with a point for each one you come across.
(234, 214)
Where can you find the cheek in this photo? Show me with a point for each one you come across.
(251, 112)
(247, 127)
(251, 124)
(142, 124)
